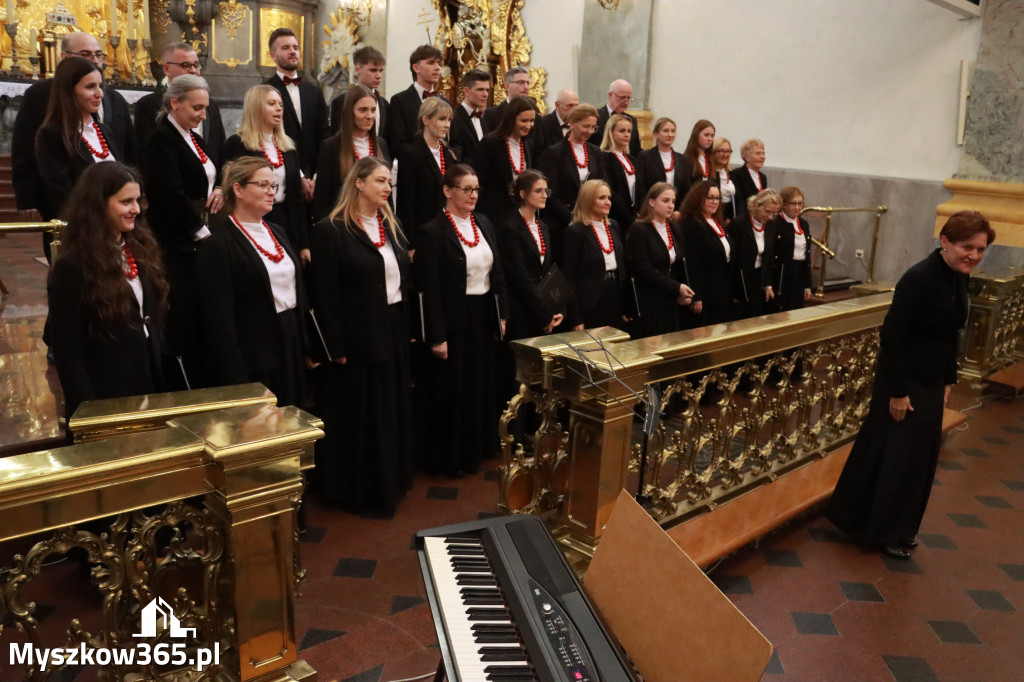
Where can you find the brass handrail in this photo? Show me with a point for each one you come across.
(52, 226)
(828, 211)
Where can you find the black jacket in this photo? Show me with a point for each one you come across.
(529, 313)
(176, 188)
(492, 116)
(59, 171)
(147, 109)
(348, 291)
(328, 173)
(298, 228)
(405, 110)
(546, 132)
(582, 263)
(786, 269)
(603, 114)
(463, 135)
(420, 194)
(243, 335)
(95, 365)
(711, 275)
(749, 283)
(745, 187)
(441, 278)
(494, 170)
(624, 209)
(654, 280)
(652, 171)
(559, 165)
(311, 132)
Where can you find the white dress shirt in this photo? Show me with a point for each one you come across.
(516, 153)
(756, 177)
(759, 240)
(666, 162)
(799, 238)
(475, 120)
(602, 238)
(293, 93)
(722, 237)
(479, 259)
(534, 226)
(662, 229)
(89, 132)
(392, 273)
(581, 154)
(282, 274)
(630, 177)
(271, 151)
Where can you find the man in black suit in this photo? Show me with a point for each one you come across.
(517, 82)
(305, 111)
(467, 126)
(28, 186)
(179, 59)
(369, 71)
(619, 94)
(553, 127)
(425, 65)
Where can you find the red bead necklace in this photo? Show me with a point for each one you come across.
(626, 164)
(369, 139)
(273, 257)
(672, 163)
(133, 269)
(380, 226)
(716, 226)
(476, 230)
(440, 156)
(104, 150)
(522, 157)
(754, 225)
(705, 168)
(668, 231)
(273, 164)
(541, 244)
(608, 232)
(203, 158)
(586, 155)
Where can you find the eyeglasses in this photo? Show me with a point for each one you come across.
(621, 98)
(795, 203)
(724, 151)
(194, 66)
(546, 191)
(713, 199)
(87, 54)
(469, 191)
(269, 187)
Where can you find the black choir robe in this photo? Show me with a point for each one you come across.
(494, 171)
(598, 299)
(309, 134)
(529, 313)
(653, 171)
(745, 187)
(463, 135)
(420, 193)
(59, 171)
(750, 281)
(654, 279)
(624, 209)
(546, 132)
(790, 277)
(711, 274)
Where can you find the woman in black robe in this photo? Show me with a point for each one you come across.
(882, 493)
(460, 277)
(791, 278)
(361, 288)
(657, 262)
(709, 251)
(752, 235)
(501, 156)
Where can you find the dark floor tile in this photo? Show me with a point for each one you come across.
(967, 521)
(910, 669)
(1013, 485)
(316, 636)
(355, 568)
(732, 584)
(953, 632)
(442, 492)
(861, 592)
(995, 440)
(777, 557)
(313, 534)
(400, 603)
(1014, 429)
(808, 623)
(974, 452)
(936, 541)
(990, 600)
(902, 565)
(1015, 571)
(371, 675)
(774, 665)
(950, 465)
(826, 534)
(993, 501)
(492, 475)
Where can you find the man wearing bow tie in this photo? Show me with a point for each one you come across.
(551, 128)
(425, 65)
(305, 111)
(467, 127)
(369, 72)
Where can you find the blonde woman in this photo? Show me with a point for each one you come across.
(594, 260)
(361, 289)
(721, 152)
(261, 135)
(422, 165)
(623, 170)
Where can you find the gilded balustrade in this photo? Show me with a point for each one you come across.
(995, 327)
(741, 404)
(201, 513)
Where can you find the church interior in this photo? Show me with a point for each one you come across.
(889, 117)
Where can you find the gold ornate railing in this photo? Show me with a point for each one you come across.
(54, 227)
(879, 211)
(995, 328)
(200, 513)
(741, 404)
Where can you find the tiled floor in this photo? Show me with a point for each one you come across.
(834, 611)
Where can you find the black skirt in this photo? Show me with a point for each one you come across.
(790, 286)
(607, 311)
(366, 461)
(287, 380)
(456, 397)
(883, 491)
(656, 311)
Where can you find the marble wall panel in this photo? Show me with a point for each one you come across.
(615, 45)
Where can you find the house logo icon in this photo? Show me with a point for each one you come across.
(158, 616)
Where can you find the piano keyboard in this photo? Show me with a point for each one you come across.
(507, 607)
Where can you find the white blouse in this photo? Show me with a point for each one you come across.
(756, 177)
(392, 274)
(534, 226)
(136, 287)
(727, 188)
(515, 151)
(666, 161)
(362, 145)
(282, 274)
(93, 138)
(271, 150)
(759, 240)
(662, 229)
(602, 238)
(722, 237)
(630, 177)
(581, 153)
(799, 238)
(479, 259)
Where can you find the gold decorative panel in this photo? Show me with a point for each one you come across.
(231, 34)
(271, 19)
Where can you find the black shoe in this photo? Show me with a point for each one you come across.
(909, 544)
(896, 552)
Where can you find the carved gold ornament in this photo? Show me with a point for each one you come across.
(160, 15)
(232, 14)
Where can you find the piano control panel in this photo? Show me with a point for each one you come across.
(562, 636)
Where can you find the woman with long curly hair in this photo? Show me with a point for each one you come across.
(710, 254)
(107, 292)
